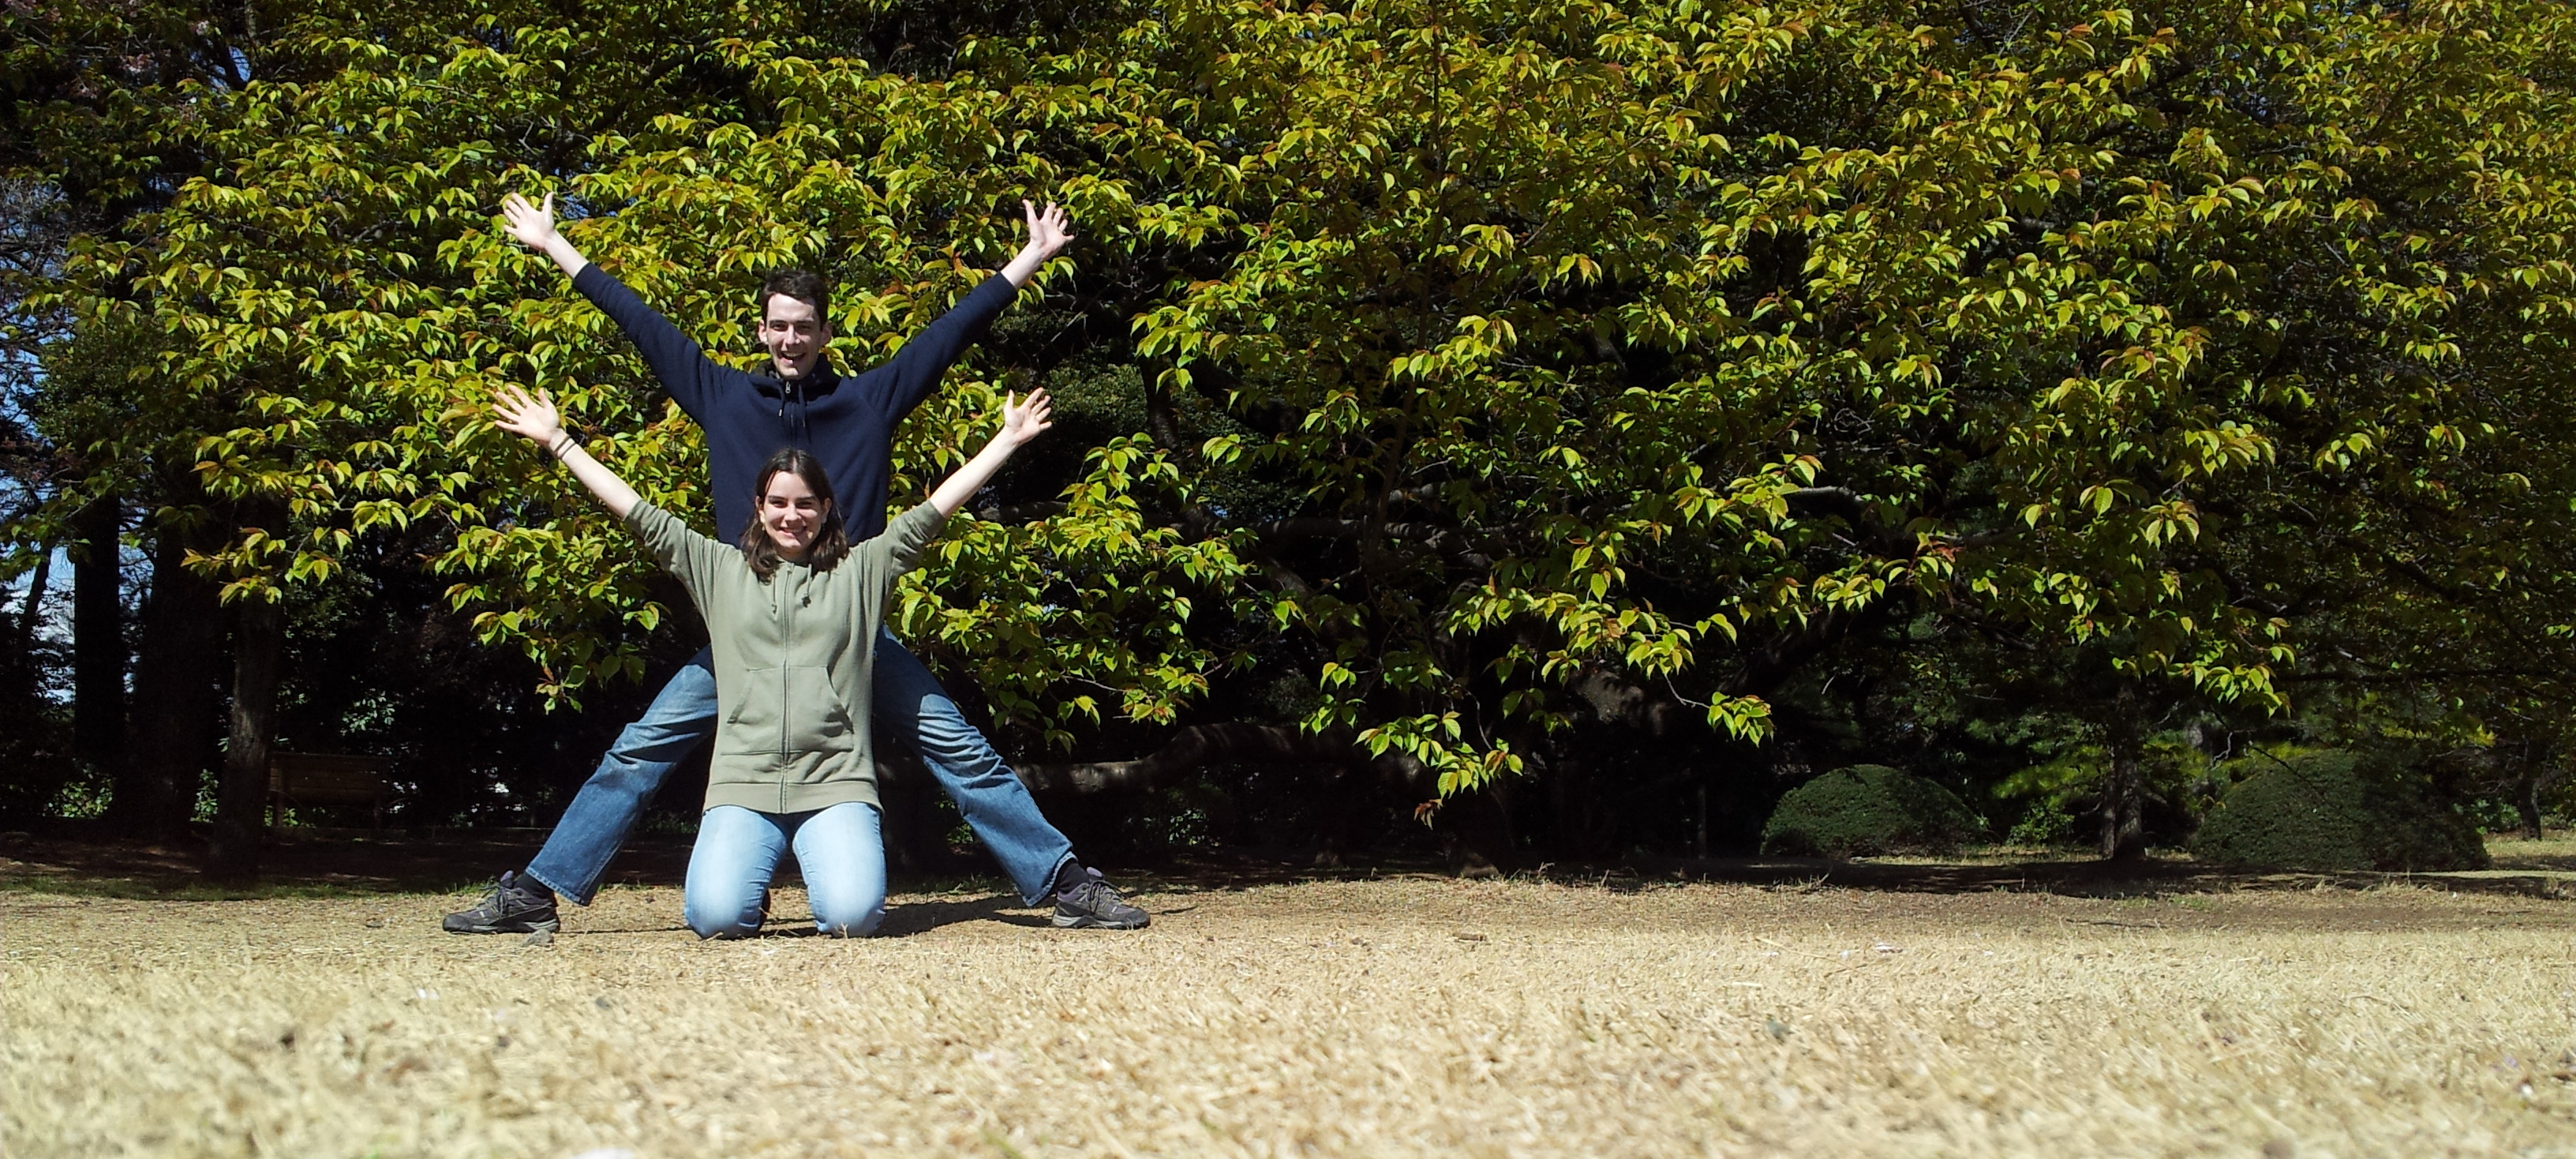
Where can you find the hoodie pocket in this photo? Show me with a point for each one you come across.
(786, 712)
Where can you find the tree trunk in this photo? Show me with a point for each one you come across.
(259, 635)
(23, 733)
(178, 698)
(1699, 820)
(2124, 788)
(35, 605)
(1475, 831)
(98, 636)
(2526, 791)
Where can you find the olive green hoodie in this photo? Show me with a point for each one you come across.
(795, 657)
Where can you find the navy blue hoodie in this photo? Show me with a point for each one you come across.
(847, 423)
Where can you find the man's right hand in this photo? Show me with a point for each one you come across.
(534, 227)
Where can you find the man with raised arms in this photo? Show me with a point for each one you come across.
(847, 423)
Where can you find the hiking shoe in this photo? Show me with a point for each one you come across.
(511, 908)
(1094, 904)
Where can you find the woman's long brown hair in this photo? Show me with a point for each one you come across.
(831, 542)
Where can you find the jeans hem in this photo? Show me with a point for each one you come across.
(1049, 890)
(561, 894)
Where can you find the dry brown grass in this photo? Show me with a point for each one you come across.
(1366, 1018)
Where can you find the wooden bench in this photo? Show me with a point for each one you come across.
(323, 779)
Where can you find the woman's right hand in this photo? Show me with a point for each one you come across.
(533, 418)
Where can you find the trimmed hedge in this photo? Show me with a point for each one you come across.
(1866, 809)
(2335, 810)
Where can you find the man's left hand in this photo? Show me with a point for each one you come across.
(1050, 230)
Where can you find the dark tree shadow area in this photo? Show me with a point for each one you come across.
(80, 857)
(2071, 877)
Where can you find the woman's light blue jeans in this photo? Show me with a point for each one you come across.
(839, 850)
(910, 708)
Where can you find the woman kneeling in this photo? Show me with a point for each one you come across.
(793, 612)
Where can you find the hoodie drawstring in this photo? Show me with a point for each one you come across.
(799, 432)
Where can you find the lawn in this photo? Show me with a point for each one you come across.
(1401, 1016)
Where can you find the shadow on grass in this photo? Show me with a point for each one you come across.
(2064, 876)
(1992, 870)
(82, 860)
(903, 919)
(2556, 852)
(133, 889)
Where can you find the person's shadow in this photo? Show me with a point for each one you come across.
(917, 917)
(901, 921)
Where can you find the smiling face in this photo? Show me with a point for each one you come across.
(794, 333)
(792, 514)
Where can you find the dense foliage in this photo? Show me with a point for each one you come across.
(1575, 419)
(2335, 810)
(1867, 809)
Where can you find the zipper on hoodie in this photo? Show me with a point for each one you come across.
(786, 638)
(799, 430)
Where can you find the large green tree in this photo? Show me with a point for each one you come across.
(1492, 374)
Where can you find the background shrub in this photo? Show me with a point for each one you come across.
(2335, 810)
(1866, 809)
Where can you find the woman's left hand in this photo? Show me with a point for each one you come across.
(1023, 421)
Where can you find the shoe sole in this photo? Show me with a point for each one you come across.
(1088, 922)
(547, 926)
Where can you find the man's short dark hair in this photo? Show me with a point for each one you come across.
(801, 284)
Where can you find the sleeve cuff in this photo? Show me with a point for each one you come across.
(644, 516)
(924, 520)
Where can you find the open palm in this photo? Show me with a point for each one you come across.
(1050, 229)
(1027, 420)
(528, 416)
(533, 225)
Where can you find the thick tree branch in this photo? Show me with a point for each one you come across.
(1194, 747)
(1234, 742)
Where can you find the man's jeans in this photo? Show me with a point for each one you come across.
(909, 707)
(839, 851)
